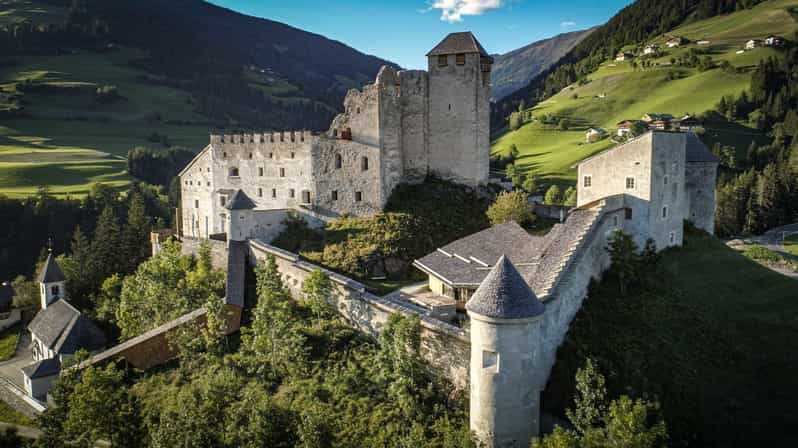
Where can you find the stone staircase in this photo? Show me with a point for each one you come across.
(564, 248)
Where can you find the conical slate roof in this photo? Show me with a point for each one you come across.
(240, 201)
(51, 272)
(505, 295)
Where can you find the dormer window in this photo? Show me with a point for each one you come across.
(443, 61)
(460, 59)
(233, 172)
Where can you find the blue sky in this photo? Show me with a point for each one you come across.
(404, 30)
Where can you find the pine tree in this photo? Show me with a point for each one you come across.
(105, 254)
(137, 232)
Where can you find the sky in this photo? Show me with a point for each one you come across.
(403, 31)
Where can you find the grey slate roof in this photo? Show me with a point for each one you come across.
(234, 288)
(240, 201)
(463, 262)
(454, 43)
(51, 272)
(504, 294)
(697, 151)
(43, 368)
(63, 329)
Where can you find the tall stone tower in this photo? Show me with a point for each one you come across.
(459, 109)
(505, 335)
(51, 282)
(242, 221)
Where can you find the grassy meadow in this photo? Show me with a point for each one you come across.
(69, 139)
(617, 91)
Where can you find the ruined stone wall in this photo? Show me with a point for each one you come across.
(700, 179)
(335, 189)
(413, 101)
(459, 108)
(445, 347)
(391, 145)
(196, 185)
(191, 246)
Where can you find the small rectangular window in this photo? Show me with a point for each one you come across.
(460, 59)
(223, 200)
(364, 164)
(588, 181)
(490, 360)
(196, 203)
(282, 172)
(260, 171)
(335, 195)
(291, 193)
(358, 196)
(630, 183)
(306, 197)
(627, 212)
(672, 238)
(666, 180)
(443, 60)
(274, 192)
(665, 212)
(260, 192)
(293, 155)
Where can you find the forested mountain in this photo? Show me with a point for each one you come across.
(635, 23)
(240, 69)
(515, 69)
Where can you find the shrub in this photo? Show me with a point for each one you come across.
(511, 206)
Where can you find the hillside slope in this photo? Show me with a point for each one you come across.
(626, 90)
(83, 82)
(515, 69)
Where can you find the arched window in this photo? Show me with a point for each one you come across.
(338, 161)
(233, 172)
(364, 164)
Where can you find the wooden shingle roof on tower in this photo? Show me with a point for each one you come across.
(454, 43)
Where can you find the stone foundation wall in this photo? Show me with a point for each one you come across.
(445, 347)
(191, 246)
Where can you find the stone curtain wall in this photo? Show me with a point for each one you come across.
(191, 246)
(566, 299)
(445, 347)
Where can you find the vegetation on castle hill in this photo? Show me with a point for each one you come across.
(511, 206)
(417, 219)
(8, 342)
(598, 422)
(27, 225)
(734, 387)
(791, 244)
(296, 377)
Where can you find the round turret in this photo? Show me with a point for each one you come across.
(505, 334)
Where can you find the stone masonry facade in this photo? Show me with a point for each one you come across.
(404, 127)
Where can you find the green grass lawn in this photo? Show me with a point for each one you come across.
(8, 342)
(710, 346)
(791, 244)
(70, 140)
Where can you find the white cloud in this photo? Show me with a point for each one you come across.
(454, 10)
(568, 24)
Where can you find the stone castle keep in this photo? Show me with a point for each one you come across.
(519, 292)
(404, 127)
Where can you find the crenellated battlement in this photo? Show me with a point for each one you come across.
(262, 138)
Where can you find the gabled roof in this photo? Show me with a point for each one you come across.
(454, 43)
(697, 151)
(505, 295)
(51, 272)
(43, 368)
(194, 160)
(64, 330)
(240, 201)
(467, 261)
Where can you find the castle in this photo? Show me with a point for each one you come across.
(404, 127)
(520, 291)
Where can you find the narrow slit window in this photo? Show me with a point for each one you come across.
(335, 195)
(260, 192)
(260, 171)
(364, 164)
(282, 172)
(338, 161)
(274, 192)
